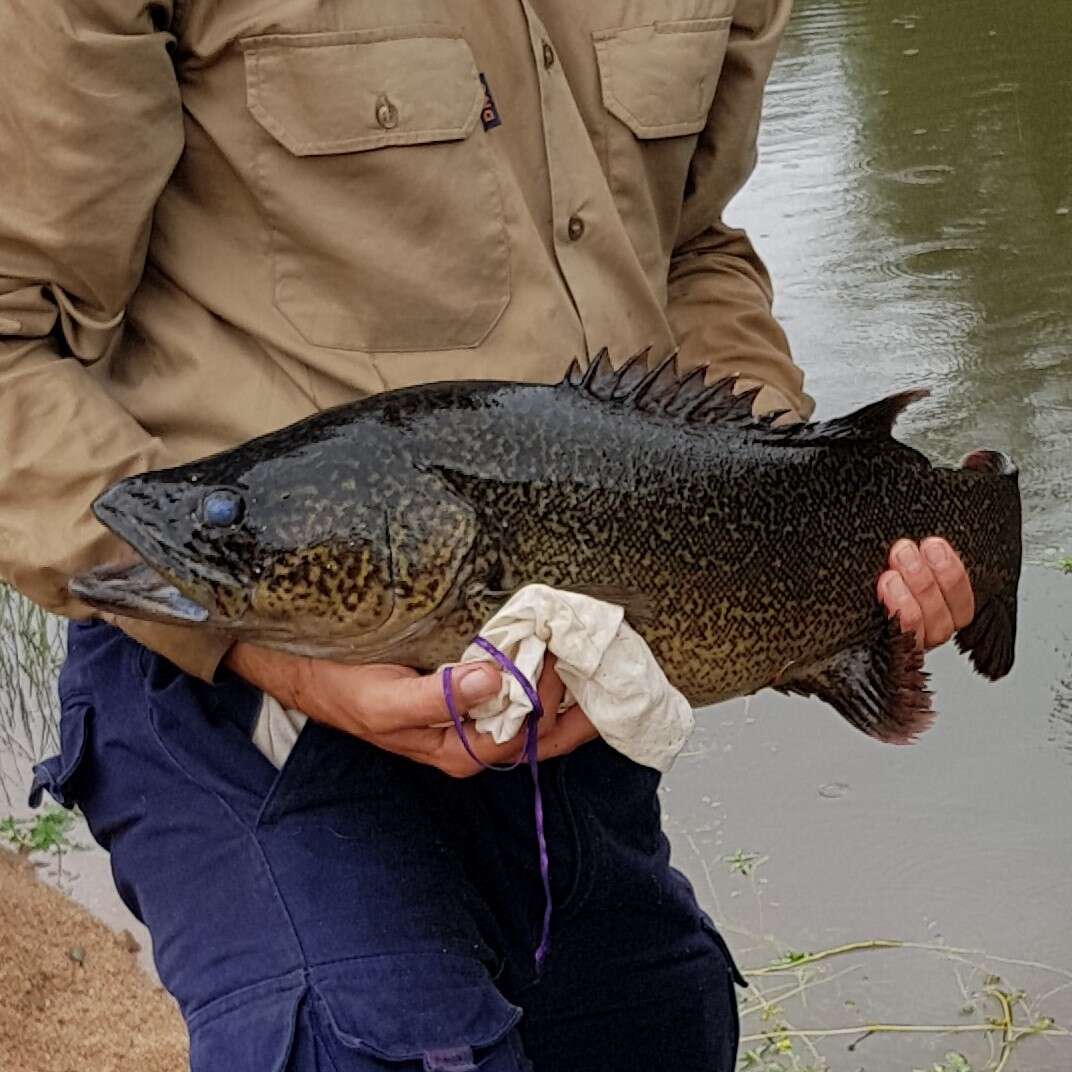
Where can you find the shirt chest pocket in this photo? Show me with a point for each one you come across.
(658, 82)
(378, 187)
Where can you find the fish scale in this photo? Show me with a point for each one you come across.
(744, 552)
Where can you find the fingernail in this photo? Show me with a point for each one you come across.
(897, 588)
(936, 552)
(477, 683)
(908, 558)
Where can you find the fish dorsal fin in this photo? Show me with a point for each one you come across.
(873, 421)
(690, 398)
(663, 389)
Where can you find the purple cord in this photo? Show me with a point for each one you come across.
(531, 737)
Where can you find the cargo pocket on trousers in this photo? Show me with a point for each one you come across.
(62, 775)
(379, 187)
(394, 1013)
(419, 1011)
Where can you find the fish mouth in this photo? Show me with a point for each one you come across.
(137, 591)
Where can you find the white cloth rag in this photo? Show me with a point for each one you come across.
(604, 663)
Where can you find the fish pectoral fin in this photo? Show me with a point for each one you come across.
(637, 606)
(879, 686)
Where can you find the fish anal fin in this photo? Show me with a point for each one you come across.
(989, 640)
(879, 686)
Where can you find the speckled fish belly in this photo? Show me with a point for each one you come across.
(744, 552)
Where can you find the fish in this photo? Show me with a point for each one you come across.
(744, 549)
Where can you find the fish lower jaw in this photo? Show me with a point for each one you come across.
(136, 591)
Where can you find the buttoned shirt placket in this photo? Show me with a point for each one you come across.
(589, 235)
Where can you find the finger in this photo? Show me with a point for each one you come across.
(952, 579)
(900, 603)
(453, 758)
(906, 559)
(571, 731)
(551, 691)
(394, 698)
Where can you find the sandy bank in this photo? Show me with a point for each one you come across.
(71, 993)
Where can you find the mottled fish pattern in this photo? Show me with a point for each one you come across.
(744, 552)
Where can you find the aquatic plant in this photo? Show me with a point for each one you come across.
(993, 1009)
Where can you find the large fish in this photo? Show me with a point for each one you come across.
(745, 553)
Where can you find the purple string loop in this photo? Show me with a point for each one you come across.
(529, 755)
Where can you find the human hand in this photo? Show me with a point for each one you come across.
(930, 589)
(559, 734)
(397, 709)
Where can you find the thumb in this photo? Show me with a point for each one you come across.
(396, 698)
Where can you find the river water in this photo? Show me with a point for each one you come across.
(914, 204)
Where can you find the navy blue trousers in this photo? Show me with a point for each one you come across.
(356, 912)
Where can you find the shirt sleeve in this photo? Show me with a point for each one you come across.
(719, 297)
(90, 130)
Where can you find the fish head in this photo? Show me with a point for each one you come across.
(317, 546)
(282, 547)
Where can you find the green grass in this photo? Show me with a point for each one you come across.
(31, 651)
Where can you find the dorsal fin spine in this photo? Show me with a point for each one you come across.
(690, 398)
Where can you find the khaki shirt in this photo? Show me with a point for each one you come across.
(217, 218)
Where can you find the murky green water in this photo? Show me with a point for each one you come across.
(914, 204)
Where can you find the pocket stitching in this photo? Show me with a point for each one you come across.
(604, 41)
(366, 1045)
(269, 211)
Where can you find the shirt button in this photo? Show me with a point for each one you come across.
(386, 113)
(575, 228)
(548, 56)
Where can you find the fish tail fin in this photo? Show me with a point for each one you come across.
(990, 638)
(878, 685)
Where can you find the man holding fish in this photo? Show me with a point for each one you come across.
(220, 219)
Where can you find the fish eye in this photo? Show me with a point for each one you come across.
(223, 508)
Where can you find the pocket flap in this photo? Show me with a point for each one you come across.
(323, 93)
(411, 1006)
(58, 773)
(660, 79)
(248, 1031)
